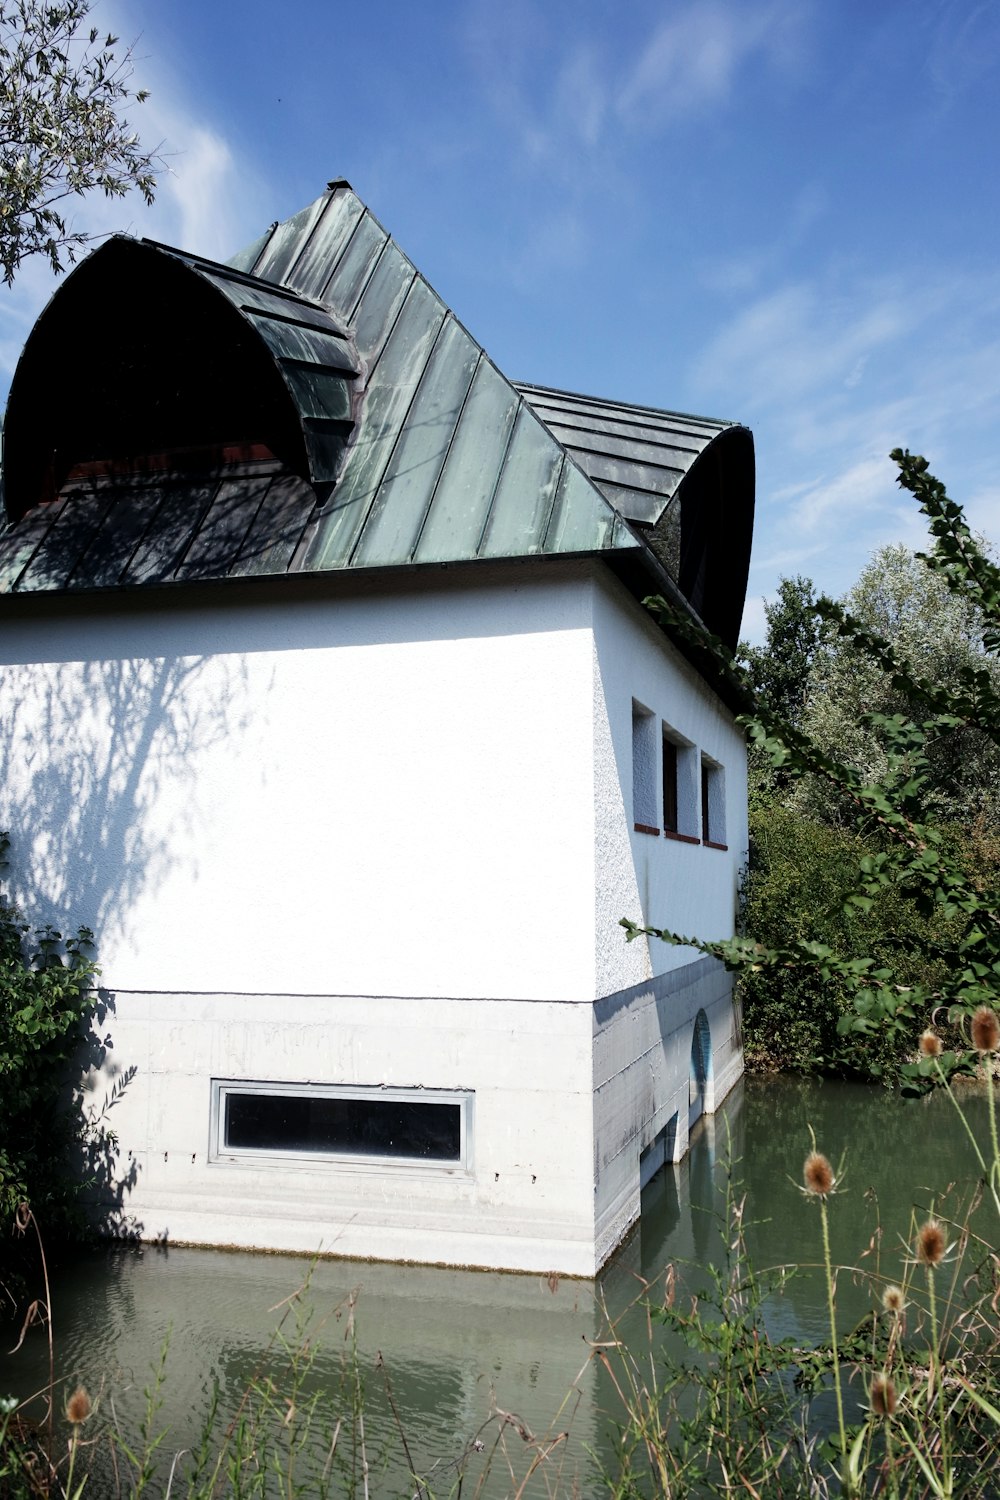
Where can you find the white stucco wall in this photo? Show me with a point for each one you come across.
(687, 888)
(643, 1028)
(379, 837)
(386, 794)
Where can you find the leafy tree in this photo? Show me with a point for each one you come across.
(45, 1003)
(779, 670)
(63, 131)
(953, 941)
(938, 633)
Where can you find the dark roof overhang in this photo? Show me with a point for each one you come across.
(144, 351)
(684, 484)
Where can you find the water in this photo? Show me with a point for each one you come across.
(455, 1344)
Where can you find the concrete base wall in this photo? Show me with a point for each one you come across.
(646, 1094)
(524, 1202)
(571, 1104)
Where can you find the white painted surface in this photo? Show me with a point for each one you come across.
(662, 882)
(383, 839)
(387, 795)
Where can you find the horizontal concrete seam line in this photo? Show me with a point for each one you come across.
(121, 989)
(634, 1062)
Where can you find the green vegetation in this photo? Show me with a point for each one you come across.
(63, 93)
(46, 999)
(902, 1402)
(876, 938)
(872, 895)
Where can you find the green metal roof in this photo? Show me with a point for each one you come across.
(414, 447)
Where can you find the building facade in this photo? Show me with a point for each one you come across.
(331, 704)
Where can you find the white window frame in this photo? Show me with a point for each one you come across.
(219, 1151)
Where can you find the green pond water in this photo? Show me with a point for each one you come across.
(456, 1344)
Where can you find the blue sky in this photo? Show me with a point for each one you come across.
(770, 210)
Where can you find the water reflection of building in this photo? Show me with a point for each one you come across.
(456, 1345)
(332, 707)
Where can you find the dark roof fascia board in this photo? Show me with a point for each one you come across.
(644, 576)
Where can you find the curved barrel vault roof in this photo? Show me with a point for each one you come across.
(315, 406)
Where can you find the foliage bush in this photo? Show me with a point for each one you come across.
(800, 877)
(944, 958)
(46, 999)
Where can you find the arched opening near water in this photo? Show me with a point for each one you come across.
(701, 1090)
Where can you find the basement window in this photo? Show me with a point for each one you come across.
(334, 1123)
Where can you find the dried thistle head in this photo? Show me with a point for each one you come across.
(930, 1247)
(985, 1030)
(930, 1044)
(78, 1407)
(883, 1396)
(893, 1300)
(817, 1175)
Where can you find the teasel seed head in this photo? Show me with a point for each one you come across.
(930, 1044)
(985, 1030)
(930, 1246)
(817, 1174)
(893, 1300)
(78, 1407)
(883, 1396)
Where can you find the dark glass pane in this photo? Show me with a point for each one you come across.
(332, 1126)
(670, 786)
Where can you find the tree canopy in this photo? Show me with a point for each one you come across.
(64, 93)
(907, 936)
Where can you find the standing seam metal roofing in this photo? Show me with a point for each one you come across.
(445, 459)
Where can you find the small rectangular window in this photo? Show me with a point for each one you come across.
(644, 811)
(713, 803)
(669, 785)
(334, 1123)
(680, 787)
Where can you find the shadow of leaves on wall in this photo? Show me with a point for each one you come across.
(99, 762)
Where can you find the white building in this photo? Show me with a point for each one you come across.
(331, 705)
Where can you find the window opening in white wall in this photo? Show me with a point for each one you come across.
(644, 766)
(680, 777)
(669, 785)
(713, 803)
(333, 1123)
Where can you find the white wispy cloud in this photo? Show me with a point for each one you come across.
(692, 59)
(835, 369)
(576, 105)
(799, 338)
(839, 498)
